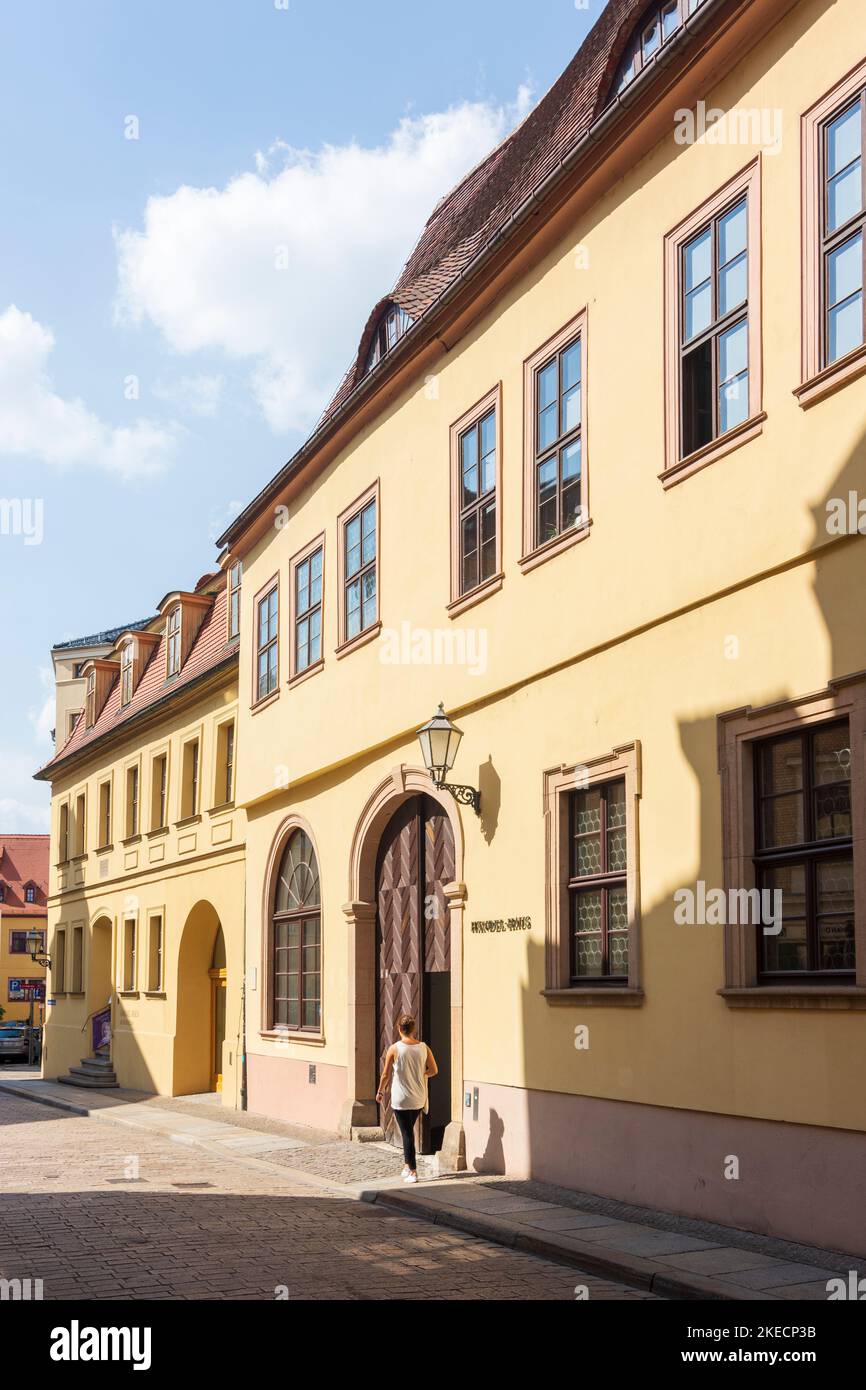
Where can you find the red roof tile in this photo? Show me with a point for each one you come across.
(24, 860)
(209, 651)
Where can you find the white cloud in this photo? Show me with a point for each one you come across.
(37, 423)
(198, 395)
(24, 804)
(207, 267)
(42, 718)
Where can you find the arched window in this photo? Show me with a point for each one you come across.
(296, 935)
(656, 27)
(392, 326)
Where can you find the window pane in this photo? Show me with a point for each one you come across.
(733, 285)
(547, 432)
(697, 398)
(353, 609)
(783, 821)
(469, 464)
(782, 766)
(836, 915)
(470, 551)
(353, 546)
(368, 615)
(844, 197)
(617, 923)
(699, 311)
(571, 366)
(587, 856)
(488, 453)
(845, 328)
(698, 259)
(571, 410)
(651, 39)
(831, 755)
(832, 812)
(788, 950)
(670, 18)
(547, 406)
(588, 940)
(845, 270)
(732, 233)
(547, 501)
(733, 377)
(844, 139)
(845, 284)
(488, 541)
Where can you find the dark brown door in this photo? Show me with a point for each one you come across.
(415, 862)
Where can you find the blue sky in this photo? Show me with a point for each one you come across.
(175, 308)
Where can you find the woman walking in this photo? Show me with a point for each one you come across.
(409, 1064)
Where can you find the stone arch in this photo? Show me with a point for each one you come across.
(360, 1109)
(193, 1024)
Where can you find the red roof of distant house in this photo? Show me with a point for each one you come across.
(24, 862)
(209, 651)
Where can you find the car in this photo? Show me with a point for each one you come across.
(15, 1041)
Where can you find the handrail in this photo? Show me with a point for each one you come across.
(94, 1012)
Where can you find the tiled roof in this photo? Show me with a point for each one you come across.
(464, 221)
(23, 860)
(103, 639)
(209, 651)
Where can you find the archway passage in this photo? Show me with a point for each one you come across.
(200, 1003)
(413, 947)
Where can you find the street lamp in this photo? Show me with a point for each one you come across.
(36, 949)
(439, 741)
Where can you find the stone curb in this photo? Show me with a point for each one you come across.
(582, 1255)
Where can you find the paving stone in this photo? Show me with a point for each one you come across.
(248, 1232)
(722, 1260)
(778, 1274)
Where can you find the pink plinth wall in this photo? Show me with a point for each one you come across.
(280, 1088)
(798, 1182)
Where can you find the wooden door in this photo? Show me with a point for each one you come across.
(415, 861)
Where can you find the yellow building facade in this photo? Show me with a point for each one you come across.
(582, 485)
(147, 876)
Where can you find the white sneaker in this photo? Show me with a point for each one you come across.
(405, 1172)
(411, 1177)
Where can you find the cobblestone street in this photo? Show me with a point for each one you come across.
(97, 1211)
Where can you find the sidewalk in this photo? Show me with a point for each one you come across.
(654, 1251)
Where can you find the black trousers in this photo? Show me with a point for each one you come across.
(406, 1120)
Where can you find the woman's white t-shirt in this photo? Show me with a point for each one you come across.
(409, 1084)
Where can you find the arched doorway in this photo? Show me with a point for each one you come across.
(414, 864)
(199, 991)
(99, 991)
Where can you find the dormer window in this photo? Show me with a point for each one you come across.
(2, 892)
(30, 894)
(90, 701)
(173, 643)
(659, 23)
(126, 657)
(392, 326)
(234, 604)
